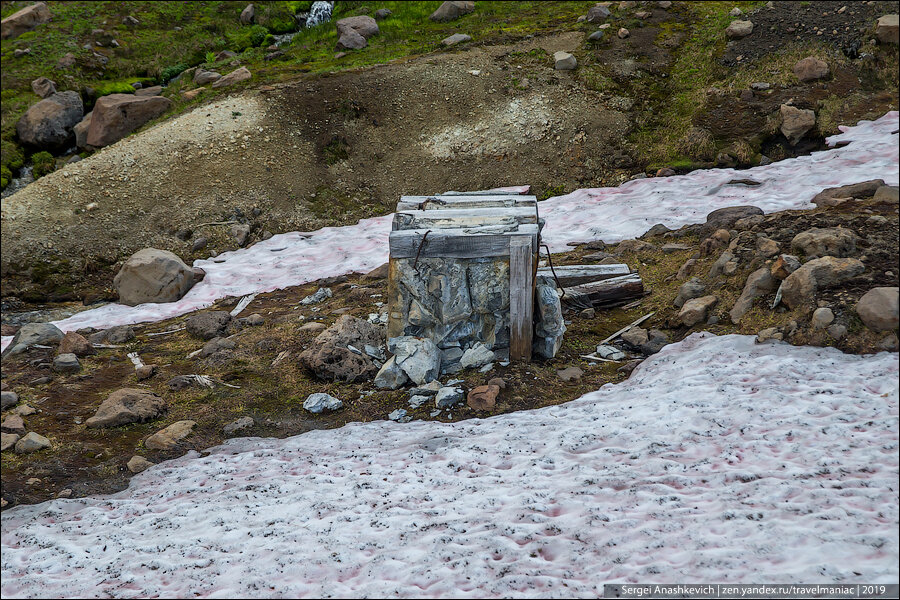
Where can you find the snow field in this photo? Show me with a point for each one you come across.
(718, 460)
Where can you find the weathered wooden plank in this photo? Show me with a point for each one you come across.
(454, 202)
(482, 193)
(616, 289)
(521, 297)
(572, 275)
(460, 218)
(455, 243)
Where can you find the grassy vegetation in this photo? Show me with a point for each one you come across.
(174, 36)
(665, 134)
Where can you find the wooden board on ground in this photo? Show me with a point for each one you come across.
(616, 289)
(572, 275)
(438, 202)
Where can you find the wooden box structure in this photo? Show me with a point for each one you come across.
(462, 272)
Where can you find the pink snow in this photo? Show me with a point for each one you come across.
(719, 460)
(610, 214)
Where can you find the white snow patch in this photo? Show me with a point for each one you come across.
(612, 214)
(718, 460)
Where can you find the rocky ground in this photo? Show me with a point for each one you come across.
(658, 86)
(87, 411)
(318, 136)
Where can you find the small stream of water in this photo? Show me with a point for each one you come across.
(319, 12)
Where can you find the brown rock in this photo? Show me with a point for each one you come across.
(724, 218)
(81, 130)
(498, 381)
(796, 122)
(13, 424)
(800, 287)
(209, 324)
(72, 343)
(153, 90)
(784, 265)
(145, 372)
(483, 397)
(377, 273)
(169, 437)
(152, 275)
(686, 269)
(633, 246)
(191, 94)
(138, 464)
(887, 29)
(739, 29)
(887, 194)
(450, 11)
(117, 115)
(329, 358)
(811, 69)
(878, 309)
(236, 76)
(43, 87)
(363, 25)
(570, 374)
(248, 15)
(695, 310)
(833, 241)
(766, 247)
(24, 20)
(8, 440)
(127, 406)
(759, 282)
(314, 326)
(863, 189)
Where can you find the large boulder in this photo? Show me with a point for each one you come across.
(152, 275)
(800, 287)
(25, 20)
(811, 69)
(796, 122)
(725, 218)
(236, 76)
(353, 32)
(450, 11)
(832, 241)
(863, 189)
(31, 334)
(330, 358)
(117, 115)
(125, 406)
(887, 29)
(878, 309)
(49, 123)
